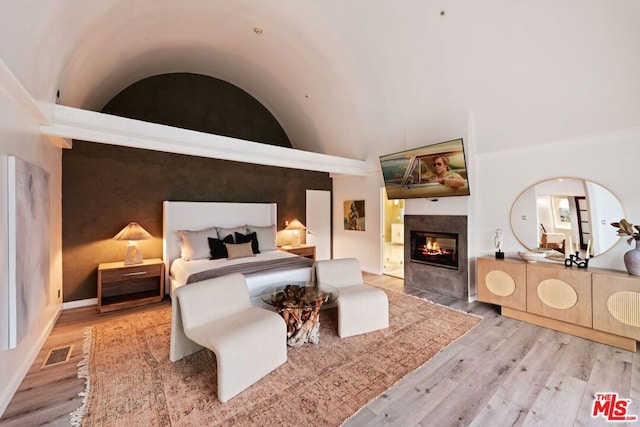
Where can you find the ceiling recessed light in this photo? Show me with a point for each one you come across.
(257, 30)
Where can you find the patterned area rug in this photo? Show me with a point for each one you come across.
(132, 382)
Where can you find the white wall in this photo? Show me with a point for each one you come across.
(364, 245)
(606, 159)
(19, 136)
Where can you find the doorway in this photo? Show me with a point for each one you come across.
(393, 236)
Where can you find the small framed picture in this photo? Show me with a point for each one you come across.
(354, 215)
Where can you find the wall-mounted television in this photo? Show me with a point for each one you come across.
(432, 171)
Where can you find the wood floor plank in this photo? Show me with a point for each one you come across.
(480, 375)
(416, 403)
(529, 377)
(499, 412)
(558, 402)
(578, 357)
(364, 417)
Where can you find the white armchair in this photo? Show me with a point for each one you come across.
(361, 308)
(249, 342)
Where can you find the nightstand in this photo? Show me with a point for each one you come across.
(123, 286)
(307, 251)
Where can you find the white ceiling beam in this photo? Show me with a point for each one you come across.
(72, 123)
(13, 86)
(91, 126)
(23, 98)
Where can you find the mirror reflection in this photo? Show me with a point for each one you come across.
(558, 212)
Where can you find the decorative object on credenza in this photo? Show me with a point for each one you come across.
(574, 259)
(295, 225)
(632, 257)
(354, 214)
(132, 233)
(532, 257)
(497, 241)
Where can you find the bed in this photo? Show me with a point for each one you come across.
(200, 220)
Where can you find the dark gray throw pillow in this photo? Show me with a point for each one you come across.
(246, 238)
(217, 248)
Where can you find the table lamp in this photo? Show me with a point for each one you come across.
(132, 233)
(295, 226)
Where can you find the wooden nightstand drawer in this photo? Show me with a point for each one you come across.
(131, 272)
(129, 287)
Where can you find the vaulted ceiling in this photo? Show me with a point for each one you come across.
(289, 55)
(354, 79)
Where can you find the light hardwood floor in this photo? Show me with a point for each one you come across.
(502, 373)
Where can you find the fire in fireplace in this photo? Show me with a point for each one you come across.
(439, 249)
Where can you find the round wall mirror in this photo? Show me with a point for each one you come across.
(552, 213)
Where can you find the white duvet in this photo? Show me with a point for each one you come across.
(257, 283)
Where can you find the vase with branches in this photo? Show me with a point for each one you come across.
(632, 257)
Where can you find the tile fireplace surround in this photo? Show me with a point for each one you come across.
(443, 281)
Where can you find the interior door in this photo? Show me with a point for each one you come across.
(319, 222)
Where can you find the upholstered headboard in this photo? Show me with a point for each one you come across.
(200, 215)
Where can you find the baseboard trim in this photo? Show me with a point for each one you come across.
(21, 372)
(80, 303)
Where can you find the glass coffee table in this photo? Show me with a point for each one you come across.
(299, 305)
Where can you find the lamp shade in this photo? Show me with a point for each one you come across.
(295, 224)
(133, 231)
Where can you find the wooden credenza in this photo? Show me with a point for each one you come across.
(596, 304)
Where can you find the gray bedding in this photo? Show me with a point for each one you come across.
(253, 268)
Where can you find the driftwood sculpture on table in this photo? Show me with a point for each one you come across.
(299, 306)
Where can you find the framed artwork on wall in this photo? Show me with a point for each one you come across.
(354, 215)
(25, 247)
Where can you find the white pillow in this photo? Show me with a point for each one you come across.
(266, 236)
(195, 244)
(224, 232)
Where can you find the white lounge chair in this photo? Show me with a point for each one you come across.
(249, 342)
(361, 308)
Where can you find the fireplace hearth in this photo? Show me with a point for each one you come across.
(437, 258)
(439, 249)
